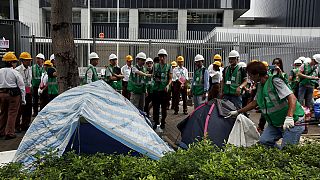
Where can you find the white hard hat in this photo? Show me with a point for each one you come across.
(198, 57)
(307, 60)
(302, 58)
(234, 53)
(149, 60)
(141, 55)
(93, 55)
(316, 57)
(41, 56)
(297, 61)
(242, 64)
(113, 56)
(162, 51)
(52, 57)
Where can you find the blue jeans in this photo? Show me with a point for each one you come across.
(236, 100)
(272, 134)
(305, 93)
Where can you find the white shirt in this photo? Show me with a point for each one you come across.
(126, 70)
(216, 76)
(10, 78)
(44, 79)
(178, 71)
(26, 74)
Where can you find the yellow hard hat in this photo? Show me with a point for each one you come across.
(180, 59)
(217, 63)
(25, 55)
(265, 63)
(217, 57)
(254, 60)
(129, 58)
(9, 56)
(48, 62)
(174, 63)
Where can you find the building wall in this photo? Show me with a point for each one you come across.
(29, 11)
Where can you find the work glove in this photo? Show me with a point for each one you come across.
(40, 91)
(288, 123)
(232, 114)
(23, 102)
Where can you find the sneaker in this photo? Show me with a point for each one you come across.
(175, 113)
(185, 113)
(34, 115)
(10, 137)
(154, 127)
(162, 126)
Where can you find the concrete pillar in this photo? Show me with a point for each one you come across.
(84, 23)
(182, 24)
(228, 18)
(133, 24)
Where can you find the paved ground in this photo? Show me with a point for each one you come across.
(171, 133)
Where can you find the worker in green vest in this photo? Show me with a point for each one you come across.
(37, 70)
(137, 82)
(294, 78)
(162, 78)
(112, 73)
(278, 105)
(308, 78)
(200, 82)
(234, 80)
(91, 72)
(53, 88)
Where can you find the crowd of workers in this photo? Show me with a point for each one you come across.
(155, 82)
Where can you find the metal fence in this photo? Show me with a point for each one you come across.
(250, 46)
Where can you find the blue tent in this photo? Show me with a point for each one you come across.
(89, 119)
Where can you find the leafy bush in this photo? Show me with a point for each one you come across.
(200, 161)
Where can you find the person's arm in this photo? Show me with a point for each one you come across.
(301, 75)
(291, 76)
(140, 73)
(292, 100)
(253, 104)
(21, 86)
(206, 81)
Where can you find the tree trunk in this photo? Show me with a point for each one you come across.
(63, 45)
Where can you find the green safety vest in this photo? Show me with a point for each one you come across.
(309, 71)
(136, 83)
(234, 79)
(160, 77)
(273, 109)
(117, 85)
(295, 79)
(53, 87)
(198, 82)
(94, 75)
(36, 75)
(149, 82)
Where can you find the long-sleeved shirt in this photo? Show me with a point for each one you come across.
(205, 80)
(26, 74)
(177, 72)
(11, 78)
(126, 70)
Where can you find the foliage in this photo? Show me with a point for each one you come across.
(201, 161)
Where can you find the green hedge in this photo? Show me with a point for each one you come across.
(201, 161)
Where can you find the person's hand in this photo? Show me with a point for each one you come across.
(40, 91)
(167, 88)
(204, 96)
(23, 102)
(238, 91)
(149, 75)
(288, 123)
(232, 114)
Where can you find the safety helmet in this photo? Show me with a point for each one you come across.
(316, 57)
(52, 57)
(129, 58)
(217, 57)
(265, 63)
(25, 56)
(174, 63)
(254, 60)
(217, 63)
(9, 57)
(234, 53)
(93, 55)
(307, 60)
(198, 57)
(113, 56)
(180, 59)
(141, 55)
(297, 61)
(41, 56)
(149, 60)
(48, 62)
(242, 64)
(302, 58)
(162, 52)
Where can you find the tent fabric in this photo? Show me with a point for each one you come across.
(101, 106)
(244, 132)
(192, 128)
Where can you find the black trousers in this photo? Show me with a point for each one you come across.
(25, 112)
(147, 102)
(176, 91)
(35, 100)
(160, 98)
